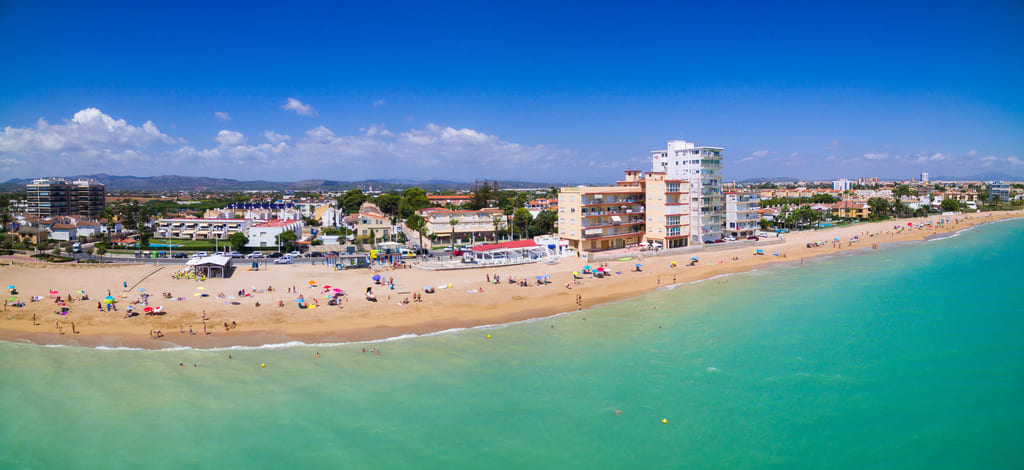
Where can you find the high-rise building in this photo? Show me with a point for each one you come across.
(924, 177)
(742, 213)
(702, 168)
(48, 197)
(842, 184)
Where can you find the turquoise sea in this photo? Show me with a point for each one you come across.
(909, 356)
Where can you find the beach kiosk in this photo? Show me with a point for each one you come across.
(211, 266)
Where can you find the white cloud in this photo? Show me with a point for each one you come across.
(763, 153)
(876, 155)
(89, 137)
(379, 103)
(274, 137)
(299, 107)
(92, 142)
(1014, 160)
(222, 115)
(228, 138)
(972, 153)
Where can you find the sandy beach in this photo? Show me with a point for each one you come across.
(470, 301)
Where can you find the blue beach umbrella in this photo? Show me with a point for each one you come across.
(376, 277)
(693, 259)
(10, 287)
(638, 265)
(142, 290)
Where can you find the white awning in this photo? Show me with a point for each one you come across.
(616, 218)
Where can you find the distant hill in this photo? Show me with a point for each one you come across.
(198, 183)
(990, 176)
(780, 179)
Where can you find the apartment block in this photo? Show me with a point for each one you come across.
(49, 197)
(742, 213)
(597, 218)
(702, 168)
(200, 229)
(667, 209)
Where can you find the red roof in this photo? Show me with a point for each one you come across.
(511, 244)
(277, 223)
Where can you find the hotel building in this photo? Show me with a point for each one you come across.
(469, 224)
(49, 197)
(702, 168)
(200, 229)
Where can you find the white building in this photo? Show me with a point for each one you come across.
(999, 191)
(742, 213)
(842, 184)
(702, 168)
(924, 177)
(264, 234)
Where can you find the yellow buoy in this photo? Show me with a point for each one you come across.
(664, 421)
(263, 365)
(488, 336)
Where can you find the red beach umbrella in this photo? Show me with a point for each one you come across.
(148, 309)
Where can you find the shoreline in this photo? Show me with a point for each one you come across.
(473, 303)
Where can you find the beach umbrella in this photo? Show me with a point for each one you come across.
(300, 301)
(196, 294)
(148, 309)
(81, 291)
(694, 259)
(327, 287)
(108, 300)
(12, 299)
(337, 290)
(231, 297)
(142, 290)
(10, 287)
(428, 287)
(200, 288)
(638, 265)
(540, 277)
(312, 282)
(53, 292)
(376, 277)
(547, 276)
(575, 272)
(159, 309)
(586, 267)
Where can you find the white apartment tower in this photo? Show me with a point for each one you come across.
(702, 168)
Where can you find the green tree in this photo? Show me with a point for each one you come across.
(950, 205)
(765, 224)
(900, 192)
(480, 196)
(544, 223)
(286, 240)
(417, 224)
(453, 222)
(238, 240)
(496, 220)
(351, 200)
(416, 198)
(879, 206)
(388, 203)
(521, 219)
(823, 199)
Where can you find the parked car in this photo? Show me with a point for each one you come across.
(730, 239)
(283, 260)
(753, 237)
(458, 252)
(201, 254)
(274, 254)
(719, 241)
(235, 254)
(316, 254)
(295, 254)
(220, 253)
(180, 255)
(255, 254)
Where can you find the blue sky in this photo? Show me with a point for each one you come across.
(523, 90)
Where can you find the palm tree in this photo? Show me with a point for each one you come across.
(497, 226)
(453, 222)
(900, 191)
